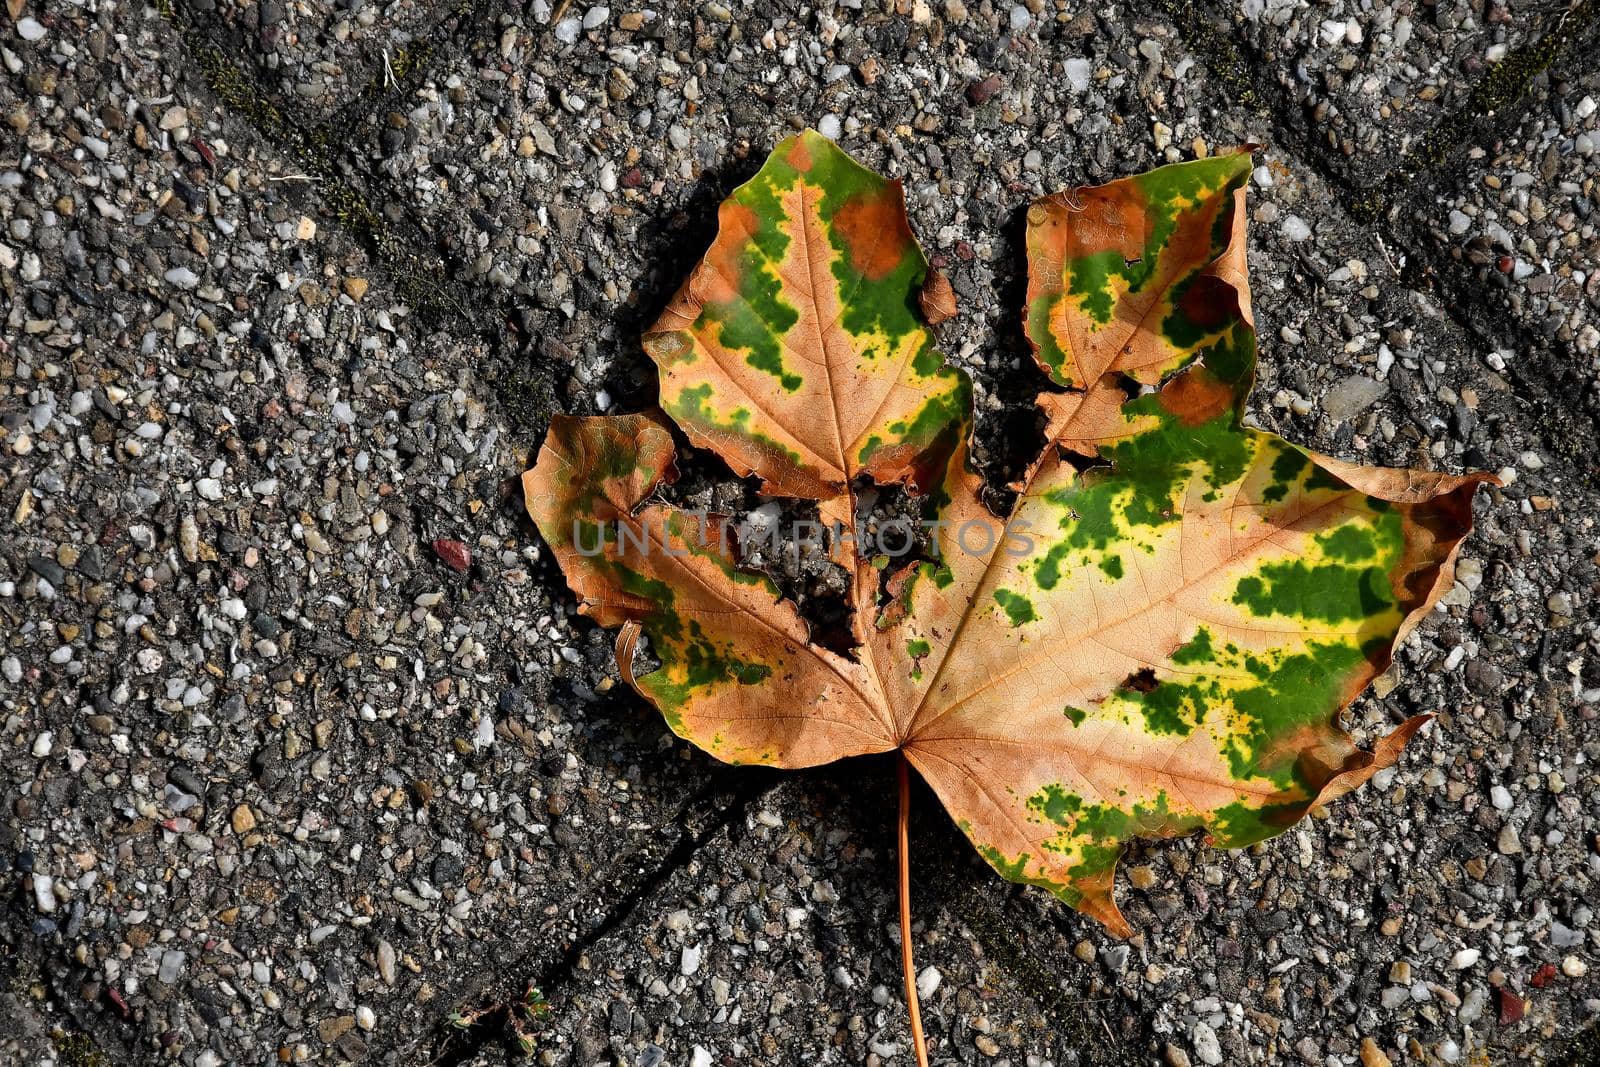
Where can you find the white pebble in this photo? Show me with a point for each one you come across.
(1464, 959)
(1206, 1046)
(30, 29)
(44, 892)
(1295, 228)
(182, 277)
(928, 982)
(1500, 797)
(1078, 72)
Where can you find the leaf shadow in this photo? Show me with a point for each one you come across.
(672, 244)
(956, 899)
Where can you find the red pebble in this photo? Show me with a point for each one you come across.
(1511, 1006)
(979, 92)
(454, 553)
(1543, 976)
(205, 153)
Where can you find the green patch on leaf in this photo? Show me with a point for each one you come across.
(1018, 608)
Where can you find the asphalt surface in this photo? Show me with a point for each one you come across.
(305, 756)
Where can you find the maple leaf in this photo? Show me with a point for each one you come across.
(1158, 638)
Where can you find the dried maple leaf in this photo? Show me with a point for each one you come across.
(1157, 640)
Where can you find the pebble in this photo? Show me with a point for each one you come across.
(182, 277)
(1352, 395)
(1464, 958)
(1295, 228)
(44, 895)
(1203, 1039)
(1078, 72)
(386, 963)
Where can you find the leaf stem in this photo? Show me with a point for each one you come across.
(906, 965)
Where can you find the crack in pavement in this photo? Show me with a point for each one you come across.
(424, 278)
(1497, 102)
(742, 788)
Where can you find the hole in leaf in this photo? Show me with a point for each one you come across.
(786, 540)
(1082, 463)
(777, 537)
(1140, 681)
(893, 532)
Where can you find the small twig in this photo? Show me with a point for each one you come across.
(389, 80)
(293, 178)
(906, 965)
(1385, 250)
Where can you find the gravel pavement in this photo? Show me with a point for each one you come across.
(305, 756)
